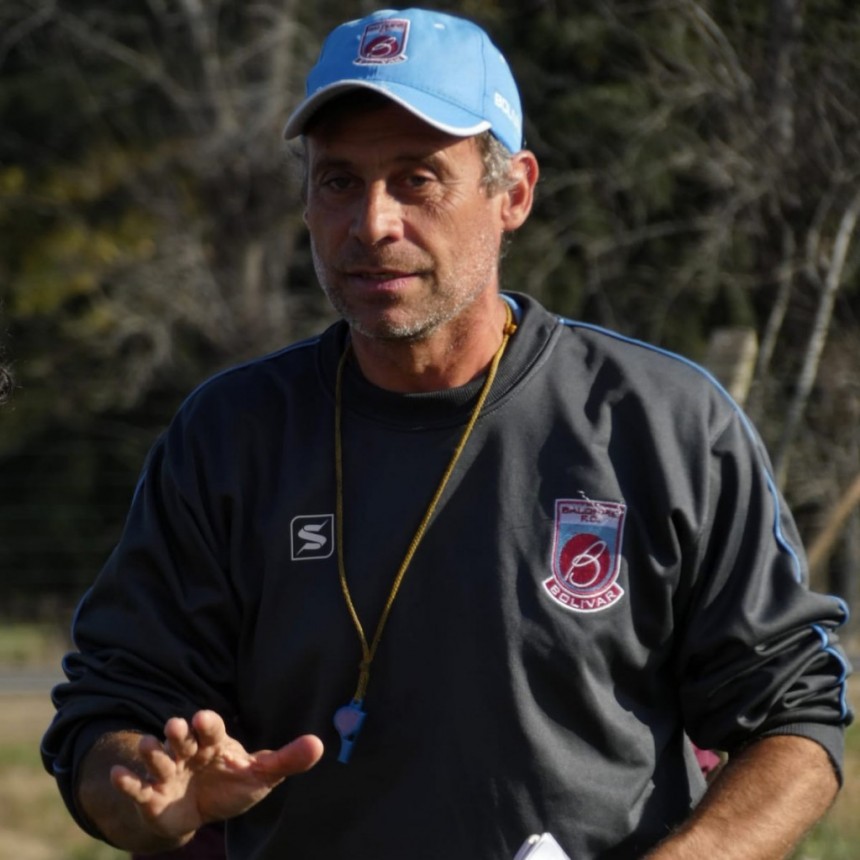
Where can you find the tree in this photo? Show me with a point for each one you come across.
(149, 234)
(698, 170)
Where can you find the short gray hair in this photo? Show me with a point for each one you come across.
(497, 164)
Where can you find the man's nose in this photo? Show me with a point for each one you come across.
(378, 216)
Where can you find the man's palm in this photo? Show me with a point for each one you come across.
(201, 774)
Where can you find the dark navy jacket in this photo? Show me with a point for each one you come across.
(610, 572)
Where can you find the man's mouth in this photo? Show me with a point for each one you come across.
(379, 274)
(385, 279)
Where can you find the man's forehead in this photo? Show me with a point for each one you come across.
(371, 111)
(382, 125)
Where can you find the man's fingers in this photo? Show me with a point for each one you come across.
(207, 734)
(180, 738)
(130, 783)
(158, 760)
(209, 728)
(305, 751)
(296, 757)
(151, 805)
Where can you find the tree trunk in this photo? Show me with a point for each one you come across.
(823, 544)
(786, 26)
(818, 336)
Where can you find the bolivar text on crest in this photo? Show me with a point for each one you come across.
(586, 554)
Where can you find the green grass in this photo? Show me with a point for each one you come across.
(19, 755)
(30, 644)
(826, 842)
(837, 836)
(33, 820)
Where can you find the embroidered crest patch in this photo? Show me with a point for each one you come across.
(383, 42)
(586, 554)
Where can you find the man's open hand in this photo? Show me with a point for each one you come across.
(196, 775)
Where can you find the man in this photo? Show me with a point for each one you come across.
(455, 571)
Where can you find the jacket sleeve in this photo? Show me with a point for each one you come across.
(758, 655)
(155, 636)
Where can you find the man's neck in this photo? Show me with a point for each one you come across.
(452, 355)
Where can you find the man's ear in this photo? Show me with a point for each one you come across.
(520, 196)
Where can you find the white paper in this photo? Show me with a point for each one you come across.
(541, 847)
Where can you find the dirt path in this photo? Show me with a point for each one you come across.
(34, 824)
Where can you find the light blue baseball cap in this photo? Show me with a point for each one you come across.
(441, 68)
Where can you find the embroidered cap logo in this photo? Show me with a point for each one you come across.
(383, 42)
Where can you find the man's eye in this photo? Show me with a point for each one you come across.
(418, 180)
(337, 183)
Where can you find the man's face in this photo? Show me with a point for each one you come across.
(404, 237)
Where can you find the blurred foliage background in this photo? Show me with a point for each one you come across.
(700, 171)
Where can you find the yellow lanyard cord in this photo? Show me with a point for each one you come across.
(368, 652)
